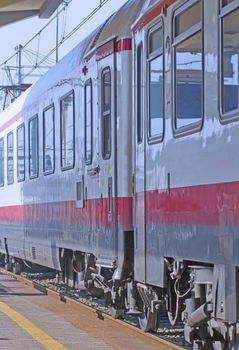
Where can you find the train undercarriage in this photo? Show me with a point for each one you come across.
(190, 296)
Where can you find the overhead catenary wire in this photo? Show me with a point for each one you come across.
(63, 38)
(72, 32)
(37, 62)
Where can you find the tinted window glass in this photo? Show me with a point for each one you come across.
(33, 147)
(1, 162)
(155, 40)
(106, 114)
(10, 160)
(226, 2)
(156, 84)
(88, 122)
(230, 62)
(21, 153)
(187, 19)
(189, 81)
(188, 66)
(48, 140)
(67, 131)
(156, 97)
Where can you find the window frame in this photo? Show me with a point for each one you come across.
(176, 40)
(106, 113)
(48, 172)
(88, 83)
(24, 158)
(8, 135)
(150, 57)
(231, 116)
(3, 162)
(31, 177)
(68, 167)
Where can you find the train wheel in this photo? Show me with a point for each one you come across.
(148, 320)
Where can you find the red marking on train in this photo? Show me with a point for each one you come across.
(124, 45)
(10, 122)
(105, 50)
(216, 204)
(94, 213)
(149, 16)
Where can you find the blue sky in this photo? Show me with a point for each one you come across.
(19, 33)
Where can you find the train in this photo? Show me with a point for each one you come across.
(119, 168)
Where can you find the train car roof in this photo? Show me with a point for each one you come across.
(120, 23)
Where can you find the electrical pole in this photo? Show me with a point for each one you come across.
(19, 51)
(57, 34)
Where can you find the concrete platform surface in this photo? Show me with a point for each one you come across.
(25, 325)
(30, 319)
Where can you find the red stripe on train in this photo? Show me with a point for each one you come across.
(111, 46)
(216, 204)
(95, 213)
(124, 45)
(149, 16)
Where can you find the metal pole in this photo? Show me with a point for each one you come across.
(57, 34)
(19, 65)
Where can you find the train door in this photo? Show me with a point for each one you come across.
(91, 151)
(139, 161)
(107, 153)
(149, 131)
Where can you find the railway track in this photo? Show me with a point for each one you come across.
(165, 338)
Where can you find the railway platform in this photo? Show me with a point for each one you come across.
(30, 319)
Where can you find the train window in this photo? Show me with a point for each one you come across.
(1, 162)
(230, 62)
(88, 122)
(33, 147)
(155, 40)
(156, 83)
(10, 159)
(188, 68)
(106, 113)
(140, 93)
(49, 140)
(21, 153)
(187, 19)
(67, 132)
(226, 2)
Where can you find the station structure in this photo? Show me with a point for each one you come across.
(15, 10)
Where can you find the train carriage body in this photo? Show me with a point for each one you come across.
(122, 160)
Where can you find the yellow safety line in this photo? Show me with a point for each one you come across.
(38, 334)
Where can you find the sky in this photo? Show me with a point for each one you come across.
(21, 32)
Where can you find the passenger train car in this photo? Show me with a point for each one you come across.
(119, 168)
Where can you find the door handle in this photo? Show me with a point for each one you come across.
(93, 171)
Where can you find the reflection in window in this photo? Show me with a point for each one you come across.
(1, 162)
(10, 160)
(48, 140)
(21, 153)
(189, 81)
(155, 40)
(88, 122)
(230, 62)
(189, 69)
(156, 97)
(156, 83)
(33, 147)
(226, 2)
(188, 19)
(106, 114)
(67, 131)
